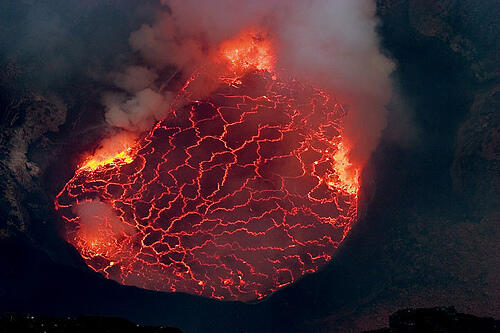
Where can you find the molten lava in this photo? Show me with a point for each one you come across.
(231, 197)
(250, 50)
(117, 149)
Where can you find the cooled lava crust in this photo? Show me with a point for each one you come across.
(229, 197)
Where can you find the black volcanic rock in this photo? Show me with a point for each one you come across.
(469, 29)
(478, 152)
(438, 319)
(428, 237)
(27, 323)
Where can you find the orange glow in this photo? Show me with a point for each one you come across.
(100, 231)
(99, 161)
(232, 196)
(97, 244)
(249, 50)
(346, 176)
(116, 149)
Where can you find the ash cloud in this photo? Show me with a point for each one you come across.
(332, 44)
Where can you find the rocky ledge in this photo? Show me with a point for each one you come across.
(438, 319)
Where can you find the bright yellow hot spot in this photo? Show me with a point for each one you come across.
(346, 176)
(99, 161)
(249, 50)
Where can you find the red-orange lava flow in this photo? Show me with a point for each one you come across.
(231, 197)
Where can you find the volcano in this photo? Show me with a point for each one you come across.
(231, 196)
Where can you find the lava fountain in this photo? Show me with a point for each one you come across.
(232, 196)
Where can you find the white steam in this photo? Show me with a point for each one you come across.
(99, 223)
(140, 104)
(138, 112)
(330, 43)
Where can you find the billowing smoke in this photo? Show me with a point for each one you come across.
(99, 224)
(330, 43)
(138, 112)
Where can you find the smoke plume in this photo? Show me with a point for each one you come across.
(99, 224)
(331, 44)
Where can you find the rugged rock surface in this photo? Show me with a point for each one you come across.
(470, 29)
(447, 55)
(478, 151)
(49, 97)
(430, 238)
(438, 319)
(25, 120)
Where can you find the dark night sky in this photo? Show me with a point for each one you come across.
(429, 227)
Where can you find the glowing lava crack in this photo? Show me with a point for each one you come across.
(230, 197)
